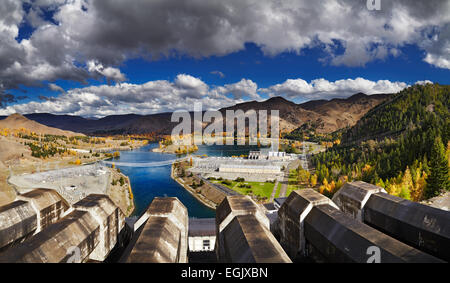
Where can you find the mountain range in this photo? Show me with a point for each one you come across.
(329, 115)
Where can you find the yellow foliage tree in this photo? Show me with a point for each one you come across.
(313, 180)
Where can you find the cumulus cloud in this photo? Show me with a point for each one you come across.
(424, 82)
(122, 98)
(110, 73)
(324, 89)
(181, 93)
(55, 87)
(243, 88)
(90, 39)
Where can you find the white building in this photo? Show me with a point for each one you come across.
(202, 234)
(247, 168)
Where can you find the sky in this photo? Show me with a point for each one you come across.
(98, 58)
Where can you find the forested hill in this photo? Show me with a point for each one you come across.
(401, 145)
(414, 107)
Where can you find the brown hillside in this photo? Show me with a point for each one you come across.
(339, 113)
(17, 121)
(331, 115)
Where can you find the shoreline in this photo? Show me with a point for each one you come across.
(201, 199)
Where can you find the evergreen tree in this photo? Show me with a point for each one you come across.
(438, 180)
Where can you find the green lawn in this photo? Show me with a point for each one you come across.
(290, 189)
(277, 193)
(257, 188)
(292, 182)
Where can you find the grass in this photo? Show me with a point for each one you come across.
(277, 193)
(261, 189)
(292, 182)
(290, 190)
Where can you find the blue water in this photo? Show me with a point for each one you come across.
(150, 182)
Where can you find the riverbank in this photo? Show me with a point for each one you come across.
(204, 193)
(175, 149)
(120, 191)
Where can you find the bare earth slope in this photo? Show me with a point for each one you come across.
(17, 121)
(9, 150)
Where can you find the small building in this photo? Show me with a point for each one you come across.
(278, 155)
(253, 154)
(278, 202)
(202, 234)
(253, 169)
(270, 207)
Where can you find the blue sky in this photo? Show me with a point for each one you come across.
(88, 58)
(251, 63)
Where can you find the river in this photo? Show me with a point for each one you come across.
(149, 182)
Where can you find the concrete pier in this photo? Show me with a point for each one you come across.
(164, 237)
(421, 226)
(312, 226)
(424, 227)
(333, 236)
(291, 217)
(18, 221)
(110, 219)
(353, 196)
(71, 239)
(29, 214)
(89, 231)
(243, 233)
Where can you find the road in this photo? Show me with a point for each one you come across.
(303, 161)
(284, 183)
(272, 196)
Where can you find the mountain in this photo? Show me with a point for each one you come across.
(402, 145)
(326, 115)
(17, 121)
(339, 113)
(412, 108)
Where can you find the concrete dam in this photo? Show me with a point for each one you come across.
(362, 223)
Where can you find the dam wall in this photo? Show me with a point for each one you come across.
(44, 228)
(243, 233)
(361, 224)
(29, 214)
(312, 226)
(421, 226)
(164, 236)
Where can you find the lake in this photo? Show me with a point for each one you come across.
(150, 182)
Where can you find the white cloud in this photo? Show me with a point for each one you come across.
(122, 98)
(55, 87)
(243, 88)
(110, 73)
(424, 82)
(92, 38)
(438, 61)
(324, 89)
(181, 93)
